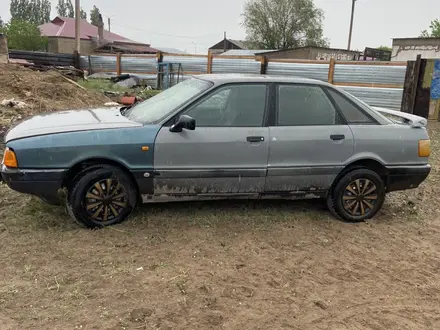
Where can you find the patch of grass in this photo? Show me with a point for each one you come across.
(104, 85)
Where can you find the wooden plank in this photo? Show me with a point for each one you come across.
(414, 84)
(185, 55)
(422, 93)
(103, 54)
(118, 64)
(285, 60)
(331, 71)
(367, 85)
(407, 97)
(263, 66)
(139, 55)
(381, 63)
(232, 57)
(209, 68)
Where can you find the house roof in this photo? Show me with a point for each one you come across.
(245, 52)
(64, 27)
(128, 47)
(239, 43)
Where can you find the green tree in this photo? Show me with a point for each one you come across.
(34, 11)
(24, 35)
(435, 30)
(385, 48)
(95, 17)
(281, 24)
(83, 14)
(65, 8)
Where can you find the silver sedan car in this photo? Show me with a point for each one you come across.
(221, 136)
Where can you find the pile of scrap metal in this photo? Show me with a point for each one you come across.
(124, 80)
(67, 71)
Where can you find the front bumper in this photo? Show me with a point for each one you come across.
(406, 177)
(38, 182)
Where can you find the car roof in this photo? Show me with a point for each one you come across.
(223, 78)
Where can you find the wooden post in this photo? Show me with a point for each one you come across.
(209, 68)
(263, 67)
(90, 65)
(331, 71)
(410, 85)
(118, 64)
(159, 78)
(76, 59)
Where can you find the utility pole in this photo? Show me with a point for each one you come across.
(224, 42)
(108, 21)
(353, 4)
(77, 26)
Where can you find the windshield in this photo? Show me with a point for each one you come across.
(161, 105)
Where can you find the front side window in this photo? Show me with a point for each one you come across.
(231, 106)
(161, 105)
(303, 105)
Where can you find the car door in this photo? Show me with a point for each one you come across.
(225, 154)
(309, 141)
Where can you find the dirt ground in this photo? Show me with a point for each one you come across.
(41, 91)
(222, 265)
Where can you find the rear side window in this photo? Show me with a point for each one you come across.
(303, 105)
(351, 112)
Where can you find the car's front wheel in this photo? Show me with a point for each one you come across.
(357, 196)
(101, 197)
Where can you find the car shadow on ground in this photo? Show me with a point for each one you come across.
(180, 214)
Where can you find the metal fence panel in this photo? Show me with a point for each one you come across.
(390, 98)
(304, 70)
(239, 65)
(43, 58)
(376, 74)
(84, 62)
(103, 63)
(190, 64)
(138, 64)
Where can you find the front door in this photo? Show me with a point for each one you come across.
(309, 143)
(227, 152)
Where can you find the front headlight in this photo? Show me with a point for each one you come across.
(9, 158)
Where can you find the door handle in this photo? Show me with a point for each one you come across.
(337, 137)
(255, 139)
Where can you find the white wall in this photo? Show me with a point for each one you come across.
(410, 52)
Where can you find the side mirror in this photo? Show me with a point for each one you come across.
(184, 122)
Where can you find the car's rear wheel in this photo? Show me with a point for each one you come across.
(357, 196)
(101, 197)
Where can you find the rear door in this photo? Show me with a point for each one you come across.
(309, 142)
(226, 153)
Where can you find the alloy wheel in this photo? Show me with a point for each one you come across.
(105, 200)
(360, 197)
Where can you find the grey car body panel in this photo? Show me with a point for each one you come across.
(303, 158)
(392, 144)
(69, 121)
(217, 161)
(210, 160)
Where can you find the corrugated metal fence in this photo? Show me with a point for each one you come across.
(43, 58)
(376, 83)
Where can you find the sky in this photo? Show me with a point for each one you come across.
(195, 25)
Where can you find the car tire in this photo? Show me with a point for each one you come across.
(101, 197)
(357, 196)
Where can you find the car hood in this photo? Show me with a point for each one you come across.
(70, 121)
